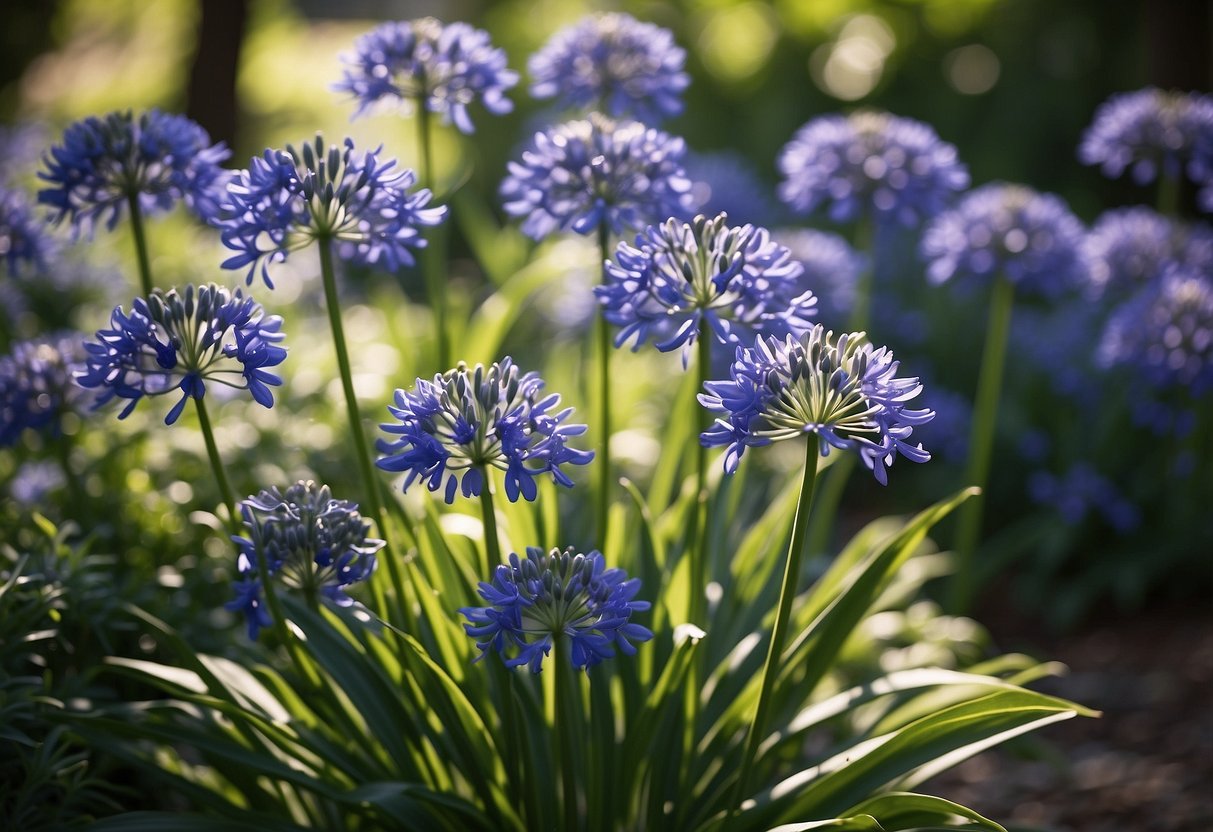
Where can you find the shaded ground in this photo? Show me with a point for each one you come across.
(1145, 766)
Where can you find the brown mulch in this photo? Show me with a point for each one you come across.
(1145, 766)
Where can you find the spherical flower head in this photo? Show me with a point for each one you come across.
(158, 159)
(584, 174)
(308, 540)
(831, 268)
(181, 341)
(1032, 239)
(678, 274)
(1129, 247)
(1080, 491)
(444, 67)
(468, 420)
(726, 183)
(534, 601)
(894, 170)
(36, 385)
(25, 245)
(287, 199)
(1165, 332)
(1056, 342)
(615, 64)
(1148, 132)
(842, 390)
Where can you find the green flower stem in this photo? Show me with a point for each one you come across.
(866, 241)
(566, 729)
(981, 439)
(145, 267)
(604, 400)
(361, 448)
(779, 633)
(429, 264)
(212, 451)
(492, 545)
(1168, 195)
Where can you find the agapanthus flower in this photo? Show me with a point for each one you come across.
(34, 482)
(309, 541)
(180, 341)
(468, 420)
(289, 198)
(1129, 247)
(1056, 342)
(534, 601)
(842, 390)
(948, 432)
(584, 173)
(158, 158)
(25, 245)
(678, 274)
(615, 64)
(1080, 491)
(1031, 239)
(1165, 332)
(21, 148)
(443, 66)
(831, 268)
(1147, 132)
(895, 170)
(726, 183)
(36, 385)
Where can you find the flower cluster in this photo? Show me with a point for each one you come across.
(895, 170)
(537, 600)
(736, 279)
(1080, 491)
(1032, 239)
(310, 541)
(179, 341)
(1166, 332)
(289, 198)
(615, 64)
(1149, 132)
(726, 182)
(442, 66)
(1129, 247)
(25, 246)
(37, 387)
(831, 268)
(593, 172)
(156, 159)
(841, 389)
(470, 419)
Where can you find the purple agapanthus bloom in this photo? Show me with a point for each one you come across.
(25, 244)
(181, 340)
(1081, 491)
(1147, 132)
(1031, 239)
(468, 420)
(309, 541)
(36, 385)
(842, 390)
(725, 182)
(443, 66)
(537, 600)
(157, 159)
(892, 169)
(615, 64)
(584, 174)
(1129, 247)
(831, 269)
(1166, 332)
(736, 279)
(289, 198)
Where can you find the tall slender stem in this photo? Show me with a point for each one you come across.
(212, 451)
(429, 267)
(604, 400)
(867, 238)
(492, 545)
(1168, 194)
(565, 730)
(981, 439)
(698, 544)
(145, 267)
(779, 633)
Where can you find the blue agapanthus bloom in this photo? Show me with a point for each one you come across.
(1030, 238)
(842, 390)
(181, 340)
(831, 269)
(726, 182)
(25, 245)
(1148, 132)
(468, 420)
(678, 274)
(1081, 491)
(442, 66)
(892, 169)
(582, 174)
(311, 542)
(534, 601)
(1165, 332)
(36, 385)
(1056, 342)
(157, 158)
(1129, 247)
(615, 64)
(289, 198)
